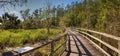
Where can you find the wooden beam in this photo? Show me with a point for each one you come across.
(109, 46)
(119, 47)
(103, 34)
(52, 48)
(98, 47)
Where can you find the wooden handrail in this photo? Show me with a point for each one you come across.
(109, 46)
(98, 47)
(100, 33)
(37, 46)
(84, 31)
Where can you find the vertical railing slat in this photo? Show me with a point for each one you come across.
(118, 47)
(65, 38)
(52, 48)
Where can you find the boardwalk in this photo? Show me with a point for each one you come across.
(79, 46)
(76, 45)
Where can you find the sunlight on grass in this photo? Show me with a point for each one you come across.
(20, 37)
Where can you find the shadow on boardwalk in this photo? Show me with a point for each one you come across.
(75, 40)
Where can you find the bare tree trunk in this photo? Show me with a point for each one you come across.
(48, 27)
(48, 15)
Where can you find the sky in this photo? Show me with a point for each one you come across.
(35, 4)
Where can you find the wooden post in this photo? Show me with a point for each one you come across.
(65, 39)
(118, 47)
(52, 48)
(20, 55)
(100, 39)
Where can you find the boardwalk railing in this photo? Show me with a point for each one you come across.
(52, 47)
(85, 33)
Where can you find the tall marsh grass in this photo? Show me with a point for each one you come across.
(20, 37)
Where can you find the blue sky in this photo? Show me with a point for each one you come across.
(35, 4)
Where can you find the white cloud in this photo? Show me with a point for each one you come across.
(14, 12)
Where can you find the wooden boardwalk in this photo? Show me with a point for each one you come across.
(79, 46)
(75, 44)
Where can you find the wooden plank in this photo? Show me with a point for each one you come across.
(64, 48)
(109, 46)
(96, 46)
(119, 47)
(80, 47)
(104, 34)
(52, 48)
(82, 50)
(58, 47)
(87, 46)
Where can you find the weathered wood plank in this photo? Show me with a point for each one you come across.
(96, 46)
(104, 34)
(109, 46)
(119, 47)
(79, 46)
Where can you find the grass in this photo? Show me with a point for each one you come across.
(45, 51)
(21, 37)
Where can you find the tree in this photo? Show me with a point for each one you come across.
(25, 13)
(37, 16)
(10, 21)
(48, 15)
(54, 19)
(5, 3)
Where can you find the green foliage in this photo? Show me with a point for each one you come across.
(20, 37)
(99, 15)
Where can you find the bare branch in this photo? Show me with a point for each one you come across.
(14, 3)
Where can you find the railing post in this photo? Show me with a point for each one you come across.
(52, 48)
(20, 55)
(100, 39)
(118, 47)
(65, 39)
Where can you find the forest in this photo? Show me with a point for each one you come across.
(99, 15)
